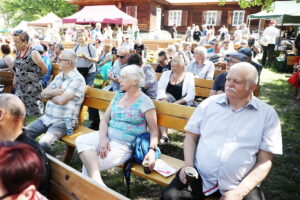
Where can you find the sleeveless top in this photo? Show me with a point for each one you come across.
(128, 122)
(28, 86)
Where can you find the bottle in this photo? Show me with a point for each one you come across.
(68, 122)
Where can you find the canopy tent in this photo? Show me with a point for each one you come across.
(49, 19)
(109, 14)
(22, 25)
(289, 19)
(280, 8)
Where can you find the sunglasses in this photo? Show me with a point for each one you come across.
(17, 32)
(181, 53)
(120, 56)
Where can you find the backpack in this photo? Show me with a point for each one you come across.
(84, 71)
(140, 150)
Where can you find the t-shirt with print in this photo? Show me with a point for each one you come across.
(127, 123)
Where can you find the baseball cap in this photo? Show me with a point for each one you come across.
(245, 51)
(38, 47)
(239, 56)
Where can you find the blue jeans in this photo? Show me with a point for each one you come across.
(52, 132)
(89, 79)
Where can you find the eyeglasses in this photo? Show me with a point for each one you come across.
(120, 56)
(60, 60)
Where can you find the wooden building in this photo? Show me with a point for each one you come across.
(163, 14)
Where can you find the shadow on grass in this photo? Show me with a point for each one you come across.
(284, 179)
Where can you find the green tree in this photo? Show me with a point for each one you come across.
(265, 4)
(17, 10)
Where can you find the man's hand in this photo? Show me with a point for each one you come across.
(182, 176)
(232, 195)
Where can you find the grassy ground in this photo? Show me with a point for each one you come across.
(284, 179)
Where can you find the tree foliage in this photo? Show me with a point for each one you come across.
(17, 10)
(266, 4)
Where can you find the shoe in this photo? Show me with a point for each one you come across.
(163, 140)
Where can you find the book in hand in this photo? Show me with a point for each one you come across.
(163, 168)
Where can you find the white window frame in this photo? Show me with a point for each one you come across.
(238, 17)
(211, 17)
(175, 17)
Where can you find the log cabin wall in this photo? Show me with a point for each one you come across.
(195, 15)
(191, 13)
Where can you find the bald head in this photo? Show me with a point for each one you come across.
(247, 70)
(13, 105)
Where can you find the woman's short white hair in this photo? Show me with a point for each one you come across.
(250, 71)
(171, 48)
(135, 73)
(202, 50)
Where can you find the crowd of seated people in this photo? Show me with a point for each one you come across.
(132, 112)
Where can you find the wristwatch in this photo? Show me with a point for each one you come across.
(153, 148)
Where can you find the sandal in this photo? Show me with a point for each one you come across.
(163, 140)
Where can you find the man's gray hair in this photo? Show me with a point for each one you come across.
(124, 49)
(13, 105)
(249, 69)
(201, 50)
(70, 55)
(171, 48)
(135, 73)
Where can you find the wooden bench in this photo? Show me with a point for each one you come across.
(168, 115)
(55, 70)
(7, 79)
(69, 184)
(218, 72)
(203, 86)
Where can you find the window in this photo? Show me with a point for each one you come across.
(211, 18)
(238, 17)
(175, 17)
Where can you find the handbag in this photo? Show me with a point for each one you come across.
(294, 79)
(140, 150)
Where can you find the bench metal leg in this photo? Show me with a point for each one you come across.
(68, 154)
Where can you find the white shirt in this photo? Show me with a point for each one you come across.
(230, 140)
(271, 33)
(206, 71)
(188, 87)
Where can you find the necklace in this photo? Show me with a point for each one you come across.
(19, 54)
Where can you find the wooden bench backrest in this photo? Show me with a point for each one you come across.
(152, 47)
(68, 184)
(203, 87)
(7, 79)
(55, 70)
(169, 115)
(217, 72)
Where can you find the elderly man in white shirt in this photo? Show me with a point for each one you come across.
(202, 67)
(231, 140)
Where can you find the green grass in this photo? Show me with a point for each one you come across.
(284, 179)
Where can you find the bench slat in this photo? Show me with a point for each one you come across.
(74, 183)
